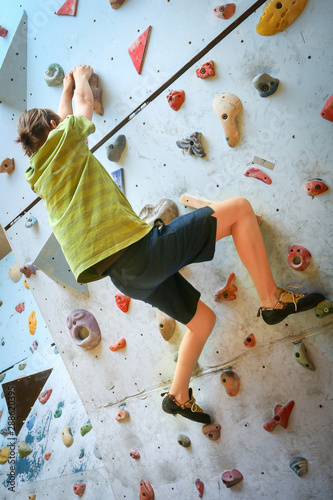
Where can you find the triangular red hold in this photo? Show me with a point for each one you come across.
(68, 9)
(138, 49)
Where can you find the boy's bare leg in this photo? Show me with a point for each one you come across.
(234, 217)
(65, 104)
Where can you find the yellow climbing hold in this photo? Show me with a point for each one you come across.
(32, 323)
(32, 496)
(4, 455)
(278, 15)
(26, 284)
(67, 437)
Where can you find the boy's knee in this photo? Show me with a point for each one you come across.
(244, 205)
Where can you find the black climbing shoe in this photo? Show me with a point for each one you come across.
(188, 410)
(289, 302)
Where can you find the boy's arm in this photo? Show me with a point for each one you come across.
(65, 104)
(83, 97)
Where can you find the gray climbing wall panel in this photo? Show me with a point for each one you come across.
(285, 129)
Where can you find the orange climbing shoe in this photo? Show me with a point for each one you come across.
(188, 410)
(289, 302)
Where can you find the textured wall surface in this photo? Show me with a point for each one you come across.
(286, 129)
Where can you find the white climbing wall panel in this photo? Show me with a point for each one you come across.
(286, 129)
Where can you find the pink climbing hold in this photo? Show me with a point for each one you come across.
(199, 486)
(327, 111)
(3, 31)
(134, 453)
(35, 345)
(227, 292)
(281, 416)
(146, 490)
(79, 489)
(176, 99)
(118, 345)
(68, 8)
(44, 396)
(256, 173)
(250, 341)
(206, 70)
(298, 257)
(315, 186)
(225, 11)
(231, 477)
(20, 307)
(122, 301)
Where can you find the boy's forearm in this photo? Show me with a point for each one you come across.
(83, 90)
(65, 104)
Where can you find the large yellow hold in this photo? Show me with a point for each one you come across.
(278, 15)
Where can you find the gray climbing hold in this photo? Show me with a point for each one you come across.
(299, 465)
(192, 145)
(116, 148)
(184, 440)
(165, 209)
(2, 377)
(97, 453)
(54, 75)
(265, 84)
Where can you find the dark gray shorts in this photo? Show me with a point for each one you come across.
(148, 269)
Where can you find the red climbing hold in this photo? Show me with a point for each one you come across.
(3, 31)
(79, 489)
(68, 9)
(20, 307)
(281, 416)
(44, 396)
(175, 99)
(122, 301)
(146, 490)
(228, 291)
(206, 70)
(200, 487)
(327, 111)
(138, 49)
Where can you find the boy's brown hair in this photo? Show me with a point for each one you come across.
(33, 128)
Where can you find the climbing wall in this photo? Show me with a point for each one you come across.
(47, 408)
(286, 138)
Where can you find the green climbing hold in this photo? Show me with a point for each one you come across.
(21, 366)
(58, 413)
(24, 449)
(2, 376)
(85, 428)
(302, 357)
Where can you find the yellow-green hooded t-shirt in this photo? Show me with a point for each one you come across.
(88, 214)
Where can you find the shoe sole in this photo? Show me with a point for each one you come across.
(275, 316)
(202, 418)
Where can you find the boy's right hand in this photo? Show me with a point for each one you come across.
(82, 71)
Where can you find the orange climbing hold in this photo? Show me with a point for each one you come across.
(230, 380)
(138, 49)
(327, 111)
(68, 8)
(47, 456)
(122, 415)
(228, 291)
(118, 345)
